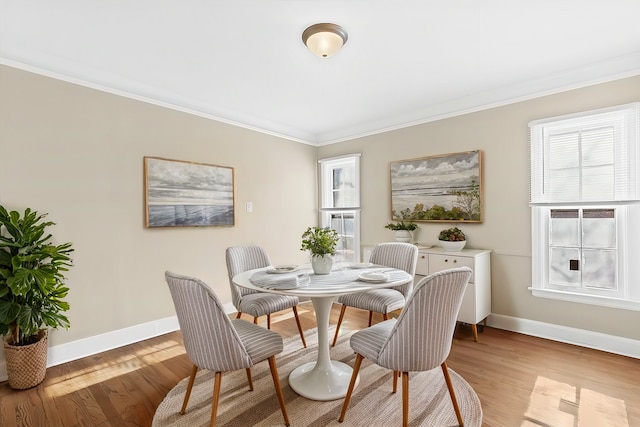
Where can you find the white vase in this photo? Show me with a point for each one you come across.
(453, 246)
(321, 264)
(403, 236)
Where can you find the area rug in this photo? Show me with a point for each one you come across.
(372, 403)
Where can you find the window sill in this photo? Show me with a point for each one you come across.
(586, 299)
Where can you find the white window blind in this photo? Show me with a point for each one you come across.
(589, 157)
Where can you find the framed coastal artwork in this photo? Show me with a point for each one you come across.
(187, 194)
(446, 187)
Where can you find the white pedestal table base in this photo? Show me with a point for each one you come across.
(324, 379)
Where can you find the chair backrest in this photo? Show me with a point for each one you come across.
(421, 338)
(403, 256)
(209, 337)
(239, 260)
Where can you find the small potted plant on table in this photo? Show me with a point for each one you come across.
(452, 239)
(403, 230)
(321, 242)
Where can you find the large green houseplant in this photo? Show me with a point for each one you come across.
(32, 292)
(321, 242)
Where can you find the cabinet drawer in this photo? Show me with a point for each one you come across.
(422, 267)
(439, 262)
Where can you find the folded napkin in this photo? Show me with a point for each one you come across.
(279, 281)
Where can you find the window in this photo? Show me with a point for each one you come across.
(585, 202)
(340, 203)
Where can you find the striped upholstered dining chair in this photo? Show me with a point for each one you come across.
(256, 303)
(403, 256)
(419, 340)
(217, 343)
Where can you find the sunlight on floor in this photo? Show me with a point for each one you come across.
(556, 404)
(98, 372)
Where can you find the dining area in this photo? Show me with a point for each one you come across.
(413, 337)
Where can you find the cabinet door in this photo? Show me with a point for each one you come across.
(439, 262)
(422, 267)
(467, 313)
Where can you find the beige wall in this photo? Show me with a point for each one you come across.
(77, 154)
(501, 133)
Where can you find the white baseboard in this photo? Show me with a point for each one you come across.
(596, 340)
(97, 344)
(86, 347)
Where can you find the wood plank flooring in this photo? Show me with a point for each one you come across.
(521, 381)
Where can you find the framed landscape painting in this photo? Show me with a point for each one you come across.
(187, 194)
(447, 188)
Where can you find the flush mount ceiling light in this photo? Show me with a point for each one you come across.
(324, 40)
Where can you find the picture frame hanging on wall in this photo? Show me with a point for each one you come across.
(442, 188)
(187, 194)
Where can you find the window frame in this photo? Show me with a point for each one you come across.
(327, 207)
(626, 204)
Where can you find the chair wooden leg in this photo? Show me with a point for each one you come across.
(194, 371)
(217, 381)
(249, 380)
(268, 321)
(335, 337)
(352, 384)
(370, 317)
(295, 313)
(405, 399)
(385, 316)
(255, 320)
(238, 315)
(452, 393)
(396, 374)
(276, 383)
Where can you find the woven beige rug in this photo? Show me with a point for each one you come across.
(372, 403)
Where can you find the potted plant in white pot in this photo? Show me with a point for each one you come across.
(32, 293)
(452, 239)
(403, 230)
(321, 242)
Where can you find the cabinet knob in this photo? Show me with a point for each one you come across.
(423, 257)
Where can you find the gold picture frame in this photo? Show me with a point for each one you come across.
(442, 188)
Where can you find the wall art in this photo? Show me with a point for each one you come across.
(187, 194)
(446, 188)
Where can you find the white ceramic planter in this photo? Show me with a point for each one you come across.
(321, 264)
(453, 246)
(403, 236)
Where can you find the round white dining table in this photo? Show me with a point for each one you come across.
(324, 379)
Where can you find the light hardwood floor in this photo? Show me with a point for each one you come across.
(521, 381)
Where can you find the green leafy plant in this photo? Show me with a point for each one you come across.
(320, 241)
(32, 278)
(452, 235)
(401, 225)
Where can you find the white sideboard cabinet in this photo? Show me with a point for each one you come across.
(476, 305)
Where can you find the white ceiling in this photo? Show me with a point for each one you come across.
(243, 61)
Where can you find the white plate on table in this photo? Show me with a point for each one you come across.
(373, 277)
(283, 269)
(361, 265)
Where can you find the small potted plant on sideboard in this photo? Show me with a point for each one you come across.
(403, 230)
(452, 239)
